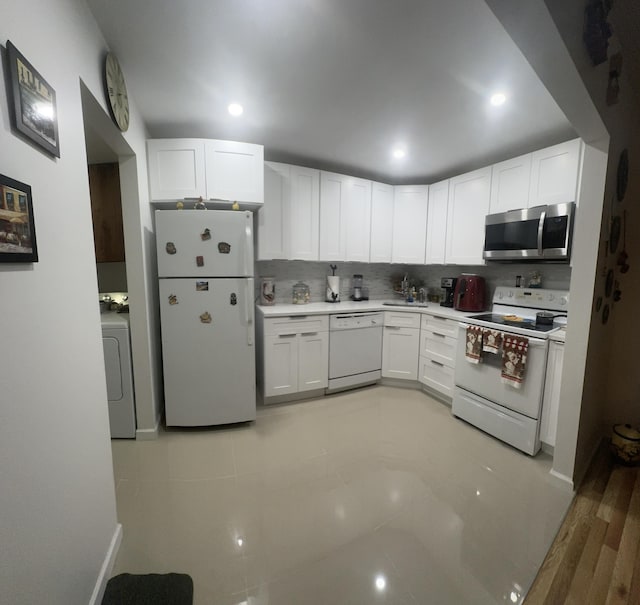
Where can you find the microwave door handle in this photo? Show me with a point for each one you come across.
(543, 216)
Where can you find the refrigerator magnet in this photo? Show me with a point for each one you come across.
(200, 261)
(224, 248)
(206, 318)
(202, 286)
(205, 235)
(173, 299)
(170, 248)
(233, 299)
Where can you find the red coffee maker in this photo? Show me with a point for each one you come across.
(470, 294)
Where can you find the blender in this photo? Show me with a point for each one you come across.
(359, 291)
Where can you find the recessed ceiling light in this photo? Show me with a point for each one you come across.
(498, 99)
(381, 582)
(398, 153)
(235, 109)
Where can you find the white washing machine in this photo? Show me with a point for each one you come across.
(117, 360)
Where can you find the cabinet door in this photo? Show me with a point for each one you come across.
(356, 220)
(554, 174)
(235, 171)
(280, 364)
(551, 400)
(313, 360)
(304, 213)
(273, 218)
(468, 206)
(333, 195)
(410, 204)
(176, 168)
(510, 182)
(400, 353)
(381, 223)
(437, 223)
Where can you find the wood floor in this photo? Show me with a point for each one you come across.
(595, 557)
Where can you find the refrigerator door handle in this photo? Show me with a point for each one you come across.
(248, 310)
(248, 240)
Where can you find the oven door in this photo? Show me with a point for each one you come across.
(484, 378)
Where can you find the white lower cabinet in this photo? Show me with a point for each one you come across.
(293, 354)
(438, 341)
(400, 342)
(551, 399)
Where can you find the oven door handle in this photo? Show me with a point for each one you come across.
(543, 216)
(535, 342)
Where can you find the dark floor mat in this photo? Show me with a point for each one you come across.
(149, 589)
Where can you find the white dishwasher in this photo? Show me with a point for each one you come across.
(355, 350)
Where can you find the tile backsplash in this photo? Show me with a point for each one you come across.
(379, 277)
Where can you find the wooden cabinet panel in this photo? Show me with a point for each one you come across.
(106, 209)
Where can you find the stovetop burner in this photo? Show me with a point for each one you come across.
(525, 323)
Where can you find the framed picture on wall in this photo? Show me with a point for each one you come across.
(17, 227)
(34, 102)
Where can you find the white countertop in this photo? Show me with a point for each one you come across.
(113, 319)
(325, 308)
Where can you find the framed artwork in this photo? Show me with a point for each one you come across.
(34, 102)
(17, 228)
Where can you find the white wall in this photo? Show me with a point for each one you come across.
(57, 502)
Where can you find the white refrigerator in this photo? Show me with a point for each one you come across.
(205, 271)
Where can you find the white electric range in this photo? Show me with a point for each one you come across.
(511, 412)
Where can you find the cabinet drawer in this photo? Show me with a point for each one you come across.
(440, 325)
(302, 324)
(439, 347)
(400, 319)
(436, 376)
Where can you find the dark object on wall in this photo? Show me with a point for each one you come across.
(598, 303)
(34, 111)
(608, 286)
(17, 228)
(623, 175)
(613, 87)
(597, 31)
(149, 589)
(106, 212)
(605, 315)
(614, 235)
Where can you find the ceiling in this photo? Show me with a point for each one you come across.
(334, 84)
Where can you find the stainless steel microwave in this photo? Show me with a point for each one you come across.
(539, 233)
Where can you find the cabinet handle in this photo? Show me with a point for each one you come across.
(286, 335)
(393, 327)
(309, 333)
(438, 334)
(433, 361)
(297, 317)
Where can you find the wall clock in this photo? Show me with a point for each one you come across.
(116, 92)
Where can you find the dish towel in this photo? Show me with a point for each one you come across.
(514, 360)
(491, 340)
(473, 350)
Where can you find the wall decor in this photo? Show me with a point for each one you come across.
(17, 228)
(596, 30)
(34, 103)
(622, 176)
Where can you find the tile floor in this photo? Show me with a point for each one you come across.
(374, 496)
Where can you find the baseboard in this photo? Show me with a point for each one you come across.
(107, 567)
(149, 434)
(562, 478)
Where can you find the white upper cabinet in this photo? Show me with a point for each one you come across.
(345, 218)
(510, 184)
(469, 197)
(410, 206)
(554, 174)
(218, 170)
(437, 223)
(304, 213)
(176, 168)
(381, 223)
(273, 218)
(235, 171)
(288, 221)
